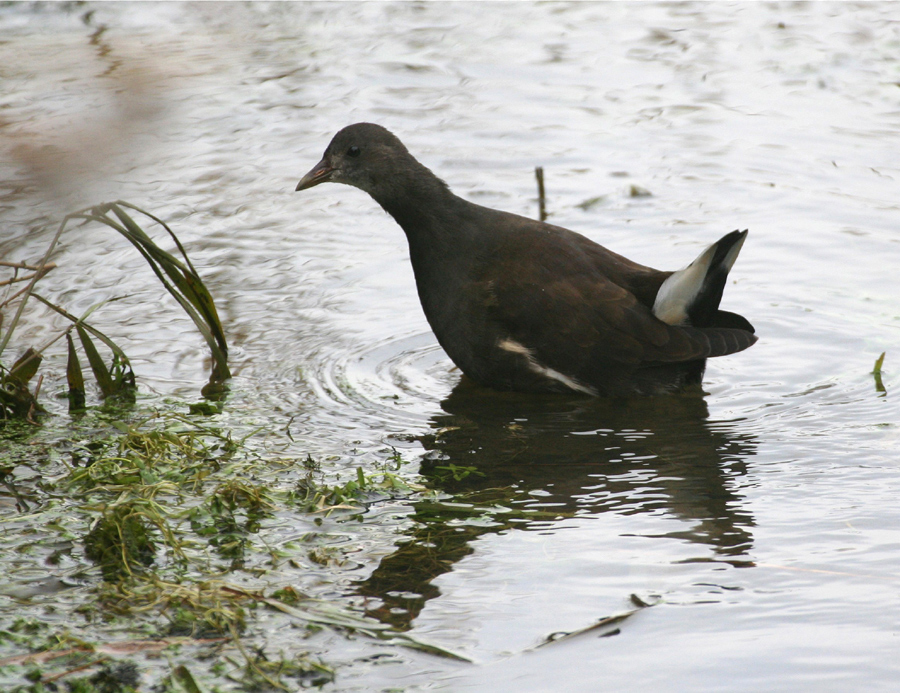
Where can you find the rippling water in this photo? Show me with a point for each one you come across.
(764, 516)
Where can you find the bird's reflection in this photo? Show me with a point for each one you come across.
(513, 461)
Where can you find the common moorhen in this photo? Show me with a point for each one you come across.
(519, 304)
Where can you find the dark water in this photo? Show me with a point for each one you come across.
(762, 517)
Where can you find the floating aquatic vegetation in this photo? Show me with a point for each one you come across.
(591, 202)
(605, 627)
(159, 522)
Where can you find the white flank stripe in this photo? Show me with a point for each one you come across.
(571, 383)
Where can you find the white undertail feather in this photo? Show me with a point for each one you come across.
(680, 290)
(540, 369)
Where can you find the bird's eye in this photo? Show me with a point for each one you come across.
(353, 151)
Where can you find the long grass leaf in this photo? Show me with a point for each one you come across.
(184, 277)
(179, 279)
(187, 278)
(7, 335)
(101, 372)
(215, 323)
(171, 233)
(317, 611)
(113, 347)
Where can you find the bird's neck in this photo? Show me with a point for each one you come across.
(416, 198)
(441, 236)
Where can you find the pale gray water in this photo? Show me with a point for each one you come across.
(770, 527)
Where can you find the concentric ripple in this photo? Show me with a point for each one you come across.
(399, 381)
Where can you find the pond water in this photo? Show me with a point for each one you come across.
(762, 520)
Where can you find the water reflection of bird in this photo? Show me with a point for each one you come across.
(522, 305)
(543, 459)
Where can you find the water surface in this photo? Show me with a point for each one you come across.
(762, 518)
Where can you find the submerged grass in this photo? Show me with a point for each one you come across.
(154, 526)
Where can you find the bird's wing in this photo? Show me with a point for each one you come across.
(567, 312)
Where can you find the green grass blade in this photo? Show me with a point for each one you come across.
(113, 347)
(74, 377)
(101, 372)
(186, 277)
(209, 307)
(26, 366)
(7, 335)
(184, 677)
(180, 279)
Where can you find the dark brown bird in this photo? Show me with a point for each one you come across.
(522, 305)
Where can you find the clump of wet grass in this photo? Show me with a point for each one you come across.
(120, 540)
(116, 380)
(232, 514)
(352, 495)
(188, 608)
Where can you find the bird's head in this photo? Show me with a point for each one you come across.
(363, 155)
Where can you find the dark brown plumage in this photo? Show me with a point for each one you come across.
(523, 305)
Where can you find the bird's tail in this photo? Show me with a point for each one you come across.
(691, 295)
